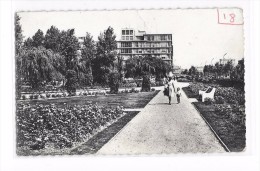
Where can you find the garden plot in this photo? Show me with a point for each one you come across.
(225, 114)
(55, 126)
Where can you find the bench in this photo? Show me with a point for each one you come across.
(209, 93)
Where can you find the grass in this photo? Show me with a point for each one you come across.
(233, 135)
(128, 100)
(189, 93)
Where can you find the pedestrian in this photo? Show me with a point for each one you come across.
(178, 95)
(171, 89)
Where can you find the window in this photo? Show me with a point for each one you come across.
(123, 37)
(163, 37)
(131, 32)
(131, 37)
(123, 32)
(127, 32)
(127, 37)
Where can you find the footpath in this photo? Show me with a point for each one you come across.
(161, 128)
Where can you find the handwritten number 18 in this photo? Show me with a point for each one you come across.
(232, 17)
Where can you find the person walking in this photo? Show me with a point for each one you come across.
(171, 89)
(178, 95)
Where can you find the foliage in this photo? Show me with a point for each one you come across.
(146, 84)
(193, 71)
(39, 125)
(137, 66)
(18, 46)
(114, 80)
(38, 39)
(219, 100)
(28, 43)
(88, 54)
(208, 101)
(72, 82)
(36, 65)
(103, 63)
(18, 34)
(52, 39)
(238, 72)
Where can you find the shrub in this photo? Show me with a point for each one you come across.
(132, 90)
(208, 101)
(137, 91)
(72, 82)
(48, 95)
(23, 97)
(153, 89)
(219, 100)
(146, 84)
(31, 96)
(113, 82)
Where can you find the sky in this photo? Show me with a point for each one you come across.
(198, 38)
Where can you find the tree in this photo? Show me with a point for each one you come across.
(228, 67)
(185, 71)
(18, 34)
(103, 63)
(68, 47)
(52, 39)
(218, 69)
(28, 43)
(72, 82)
(18, 49)
(38, 39)
(238, 72)
(137, 66)
(193, 70)
(37, 66)
(88, 54)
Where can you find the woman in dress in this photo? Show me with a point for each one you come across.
(171, 89)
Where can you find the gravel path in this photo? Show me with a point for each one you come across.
(161, 128)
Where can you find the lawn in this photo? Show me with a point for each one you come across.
(127, 100)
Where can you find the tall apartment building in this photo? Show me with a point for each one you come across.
(141, 44)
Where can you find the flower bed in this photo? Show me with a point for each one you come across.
(228, 121)
(229, 95)
(49, 126)
(225, 113)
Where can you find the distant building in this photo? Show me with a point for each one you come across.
(142, 44)
(225, 61)
(200, 69)
(177, 69)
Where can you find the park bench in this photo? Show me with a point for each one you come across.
(209, 93)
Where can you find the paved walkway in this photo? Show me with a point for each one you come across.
(162, 128)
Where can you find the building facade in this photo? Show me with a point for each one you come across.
(141, 44)
(225, 61)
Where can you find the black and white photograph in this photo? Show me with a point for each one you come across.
(129, 85)
(130, 82)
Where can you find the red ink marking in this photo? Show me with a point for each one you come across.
(232, 17)
(224, 17)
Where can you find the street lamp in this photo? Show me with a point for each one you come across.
(223, 57)
(211, 60)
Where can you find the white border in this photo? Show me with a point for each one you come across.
(249, 160)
